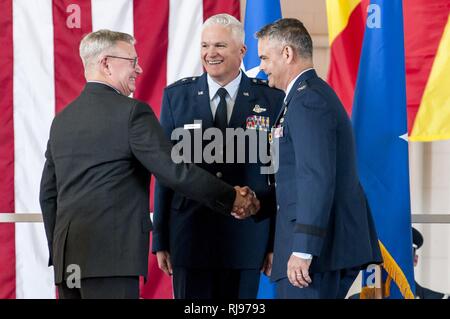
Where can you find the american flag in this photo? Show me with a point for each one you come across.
(41, 71)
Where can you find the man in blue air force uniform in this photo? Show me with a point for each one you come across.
(324, 230)
(208, 255)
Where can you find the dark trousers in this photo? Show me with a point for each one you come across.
(327, 285)
(102, 288)
(215, 284)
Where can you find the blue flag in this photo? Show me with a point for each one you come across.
(380, 125)
(258, 13)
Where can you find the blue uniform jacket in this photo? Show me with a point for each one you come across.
(322, 208)
(195, 237)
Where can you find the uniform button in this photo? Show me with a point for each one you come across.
(275, 184)
(278, 207)
(219, 174)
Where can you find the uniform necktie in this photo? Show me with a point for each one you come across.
(220, 119)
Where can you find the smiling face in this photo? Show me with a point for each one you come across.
(273, 63)
(122, 72)
(221, 53)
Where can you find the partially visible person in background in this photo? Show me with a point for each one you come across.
(422, 292)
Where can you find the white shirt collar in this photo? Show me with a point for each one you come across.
(231, 87)
(291, 84)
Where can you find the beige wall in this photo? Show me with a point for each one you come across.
(429, 162)
(430, 194)
(313, 15)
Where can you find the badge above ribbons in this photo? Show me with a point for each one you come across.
(259, 109)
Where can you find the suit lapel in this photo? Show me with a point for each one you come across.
(279, 114)
(243, 105)
(294, 90)
(202, 103)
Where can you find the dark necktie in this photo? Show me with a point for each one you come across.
(220, 119)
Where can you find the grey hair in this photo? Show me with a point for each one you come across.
(228, 21)
(289, 31)
(96, 43)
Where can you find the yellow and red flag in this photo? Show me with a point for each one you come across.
(433, 119)
(424, 23)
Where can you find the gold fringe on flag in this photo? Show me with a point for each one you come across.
(370, 293)
(396, 274)
(387, 287)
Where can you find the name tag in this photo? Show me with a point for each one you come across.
(192, 126)
(278, 132)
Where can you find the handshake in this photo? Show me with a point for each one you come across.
(245, 204)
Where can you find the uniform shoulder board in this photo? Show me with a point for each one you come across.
(315, 99)
(260, 82)
(184, 81)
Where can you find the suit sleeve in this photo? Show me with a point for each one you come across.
(152, 149)
(312, 129)
(163, 194)
(48, 199)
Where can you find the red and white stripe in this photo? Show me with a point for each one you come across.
(40, 72)
(7, 231)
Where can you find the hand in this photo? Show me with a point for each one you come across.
(267, 265)
(298, 271)
(245, 204)
(164, 263)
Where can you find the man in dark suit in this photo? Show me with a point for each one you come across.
(324, 231)
(213, 256)
(95, 184)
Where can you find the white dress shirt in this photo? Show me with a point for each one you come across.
(232, 89)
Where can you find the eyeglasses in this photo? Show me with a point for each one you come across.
(135, 60)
